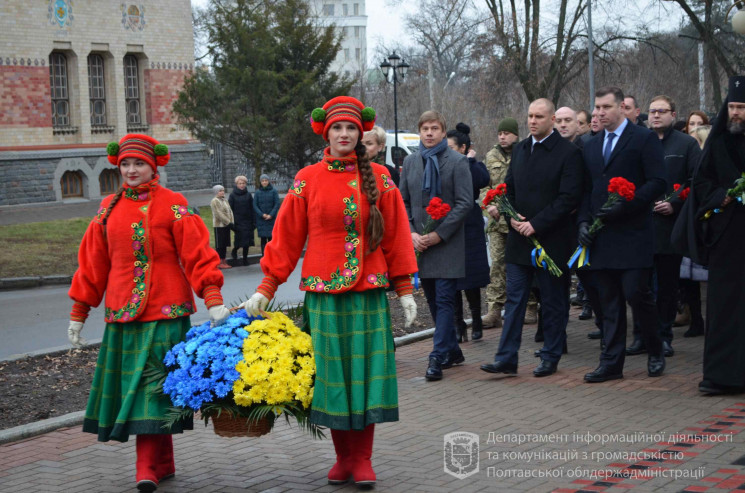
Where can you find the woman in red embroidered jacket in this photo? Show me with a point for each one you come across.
(355, 223)
(146, 249)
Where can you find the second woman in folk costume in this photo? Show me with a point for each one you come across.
(358, 243)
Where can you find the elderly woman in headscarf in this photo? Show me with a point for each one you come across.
(222, 221)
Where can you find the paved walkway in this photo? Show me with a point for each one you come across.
(564, 421)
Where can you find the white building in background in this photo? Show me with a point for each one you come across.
(350, 20)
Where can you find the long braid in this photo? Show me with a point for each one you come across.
(113, 202)
(376, 224)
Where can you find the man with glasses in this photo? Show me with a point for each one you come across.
(681, 155)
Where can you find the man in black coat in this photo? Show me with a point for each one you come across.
(681, 156)
(622, 251)
(719, 243)
(544, 184)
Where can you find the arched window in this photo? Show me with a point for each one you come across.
(72, 184)
(109, 180)
(132, 89)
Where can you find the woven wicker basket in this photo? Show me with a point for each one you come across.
(226, 425)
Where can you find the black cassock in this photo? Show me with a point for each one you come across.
(720, 242)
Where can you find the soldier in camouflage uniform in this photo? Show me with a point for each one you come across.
(498, 162)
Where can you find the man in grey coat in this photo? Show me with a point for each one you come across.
(438, 171)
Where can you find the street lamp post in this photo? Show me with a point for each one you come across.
(400, 67)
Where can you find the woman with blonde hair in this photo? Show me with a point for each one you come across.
(375, 141)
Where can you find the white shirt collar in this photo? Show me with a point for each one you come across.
(618, 131)
(534, 142)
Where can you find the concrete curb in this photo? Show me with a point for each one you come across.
(11, 283)
(40, 427)
(29, 430)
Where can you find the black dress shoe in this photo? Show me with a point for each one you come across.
(476, 334)
(576, 300)
(711, 388)
(602, 374)
(586, 313)
(637, 347)
(453, 358)
(434, 370)
(545, 368)
(595, 334)
(500, 367)
(667, 348)
(694, 331)
(537, 353)
(655, 366)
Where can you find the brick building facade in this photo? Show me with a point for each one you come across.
(76, 74)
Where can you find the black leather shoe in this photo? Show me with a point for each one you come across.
(434, 370)
(500, 367)
(476, 334)
(545, 368)
(655, 366)
(602, 374)
(538, 336)
(595, 334)
(453, 358)
(586, 313)
(694, 331)
(667, 348)
(576, 301)
(637, 347)
(711, 388)
(537, 353)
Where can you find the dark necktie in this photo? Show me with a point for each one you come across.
(608, 147)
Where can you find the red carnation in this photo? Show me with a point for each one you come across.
(684, 193)
(676, 187)
(489, 198)
(437, 209)
(501, 189)
(621, 186)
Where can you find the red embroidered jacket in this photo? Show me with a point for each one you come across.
(328, 207)
(154, 251)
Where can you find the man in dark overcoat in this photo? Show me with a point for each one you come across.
(544, 184)
(622, 252)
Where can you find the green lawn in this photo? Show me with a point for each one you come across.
(50, 248)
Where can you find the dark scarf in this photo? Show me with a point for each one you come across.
(431, 183)
(238, 191)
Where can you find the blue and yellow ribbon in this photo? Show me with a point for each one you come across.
(581, 256)
(538, 257)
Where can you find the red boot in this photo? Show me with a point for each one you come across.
(166, 468)
(361, 443)
(342, 470)
(148, 447)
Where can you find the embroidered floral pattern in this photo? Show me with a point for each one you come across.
(297, 187)
(380, 280)
(100, 214)
(346, 275)
(353, 183)
(340, 164)
(180, 211)
(141, 266)
(386, 182)
(175, 311)
(337, 165)
(133, 194)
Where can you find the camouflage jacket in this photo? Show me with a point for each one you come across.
(497, 163)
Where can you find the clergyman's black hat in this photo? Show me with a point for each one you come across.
(736, 89)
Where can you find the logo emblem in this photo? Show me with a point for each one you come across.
(60, 12)
(133, 17)
(461, 454)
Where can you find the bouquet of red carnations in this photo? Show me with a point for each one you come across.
(682, 193)
(539, 257)
(437, 210)
(619, 188)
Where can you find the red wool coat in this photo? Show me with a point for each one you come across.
(327, 206)
(153, 251)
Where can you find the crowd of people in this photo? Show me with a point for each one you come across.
(365, 229)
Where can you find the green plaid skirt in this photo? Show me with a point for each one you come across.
(355, 364)
(121, 402)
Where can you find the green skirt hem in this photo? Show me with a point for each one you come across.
(354, 421)
(121, 431)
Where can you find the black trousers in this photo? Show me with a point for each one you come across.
(592, 294)
(667, 268)
(617, 287)
(264, 241)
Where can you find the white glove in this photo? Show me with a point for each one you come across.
(255, 304)
(73, 334)
(218, 314)
(409, 306)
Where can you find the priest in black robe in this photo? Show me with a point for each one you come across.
(713, 234)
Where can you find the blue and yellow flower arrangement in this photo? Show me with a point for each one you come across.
(253, 369)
